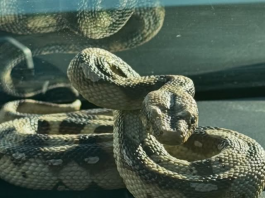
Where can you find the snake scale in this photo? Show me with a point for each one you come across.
(159, 151)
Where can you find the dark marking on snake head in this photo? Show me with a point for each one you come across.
(43, 127)
(67, 127)
(104, 129)
(172, 112)
(252, 150)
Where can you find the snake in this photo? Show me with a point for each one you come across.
(116, 26)
(145, 138)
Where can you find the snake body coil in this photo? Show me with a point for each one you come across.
(194, 162)
(115, 26)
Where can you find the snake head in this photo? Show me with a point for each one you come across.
(171, 116)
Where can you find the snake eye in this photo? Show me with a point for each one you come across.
(192, 120)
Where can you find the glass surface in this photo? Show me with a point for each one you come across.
(219, 44)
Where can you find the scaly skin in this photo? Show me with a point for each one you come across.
(162, 108)
(54, 151)
(89, 24)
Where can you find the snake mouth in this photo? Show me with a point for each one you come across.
(174, 136)
(170, 128)
(170, 138)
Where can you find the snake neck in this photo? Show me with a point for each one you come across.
(133, 152)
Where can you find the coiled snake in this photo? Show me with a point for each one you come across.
(205, 161)
(115, 26)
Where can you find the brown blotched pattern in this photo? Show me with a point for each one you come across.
(125, 25)
(68, 152)
(209, 161)
(59, 151)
